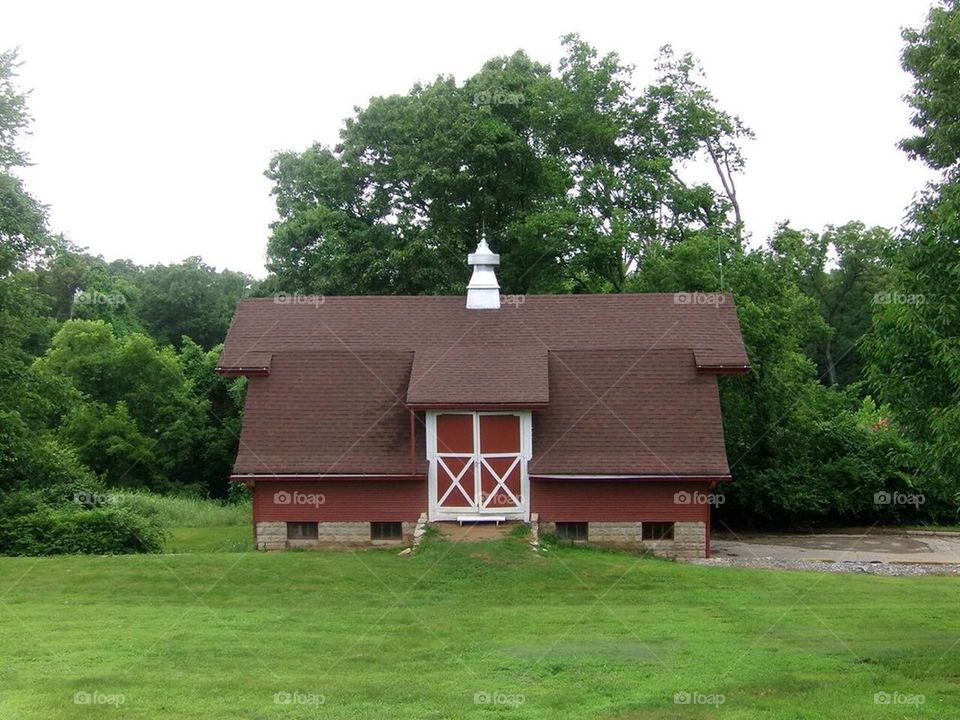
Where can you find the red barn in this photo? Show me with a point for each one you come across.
(596, 416)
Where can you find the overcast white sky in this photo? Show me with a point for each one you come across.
(155, 121)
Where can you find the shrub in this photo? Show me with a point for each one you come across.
(67, 529)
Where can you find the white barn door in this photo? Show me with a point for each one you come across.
(478, 464)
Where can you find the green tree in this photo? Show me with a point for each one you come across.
(23, 232)
(574, 177)
(41, 475)
(800, 452)
(932, 56)
(914, 349)
(222, 401)
(108, 441)
(189, 299)
(137, 388)
(842, 269)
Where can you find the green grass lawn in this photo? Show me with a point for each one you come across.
(234, 538)
(464, 631)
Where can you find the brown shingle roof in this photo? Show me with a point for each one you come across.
(627, 412)
(342, 369)
(557, 322)
(328, 413)
(470, 375)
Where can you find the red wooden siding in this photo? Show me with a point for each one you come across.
(615, 501)
(343, 501)
(554, 500)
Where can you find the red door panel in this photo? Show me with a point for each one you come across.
(455, 433)
(499, 434)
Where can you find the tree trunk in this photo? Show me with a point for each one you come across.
(831, 367)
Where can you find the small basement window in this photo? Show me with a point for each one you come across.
(386, 531)
(656, 531)
(302, 531)
(572, 530)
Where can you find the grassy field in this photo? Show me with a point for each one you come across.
(488, 630)
(173, 511)
(234, 538)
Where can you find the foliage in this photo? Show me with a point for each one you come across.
(14, 119)
(914, 348)
(149, 416)
(574, 176)
(49, 501)
(31, 460)
(172, 511)
(932, 56)
(189, 299)
(166, 302)
(218, 434)
(108, 441)
(51, 530)
(845, 270)
(798, 450)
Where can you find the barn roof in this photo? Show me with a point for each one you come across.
(620, 384)
(472, 376)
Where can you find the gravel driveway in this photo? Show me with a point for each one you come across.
(870, 550)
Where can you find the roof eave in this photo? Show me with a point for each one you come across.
(293, 477)
(596, 477)
(242, 371)
(724, 369)
(477, 405)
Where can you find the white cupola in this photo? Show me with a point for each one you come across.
(483, 292)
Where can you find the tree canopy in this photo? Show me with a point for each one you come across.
(574, 176)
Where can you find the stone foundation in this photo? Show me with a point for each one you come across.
(689, 538)
(273, 536)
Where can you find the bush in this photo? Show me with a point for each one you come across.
(65, 529)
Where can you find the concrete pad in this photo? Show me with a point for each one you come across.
(864, 547)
